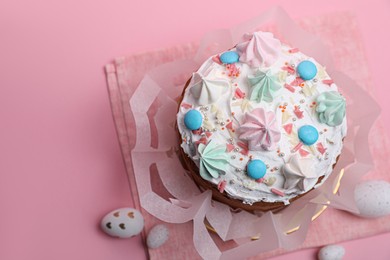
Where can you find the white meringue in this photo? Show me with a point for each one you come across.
(298, 172)
(208, 90)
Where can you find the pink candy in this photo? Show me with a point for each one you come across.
(277, 192)
(289, 87)
(221, 186)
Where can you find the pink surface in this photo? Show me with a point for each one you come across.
(60, 164)
(124, 76)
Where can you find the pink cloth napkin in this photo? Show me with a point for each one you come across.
(340, 33)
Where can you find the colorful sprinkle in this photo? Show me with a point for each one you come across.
(239, 94)
(186, 105)
(297, 147)
(303, 152)
(197, 132)
(270, 181)
(202, 140)
(244, 147)
(288, 128)
(277, 192)
(329, 141)
(233, 70)
(244, 152)
(289, 69)
(321, 148)
(328, 81)
(298, 112)
(208, 134)
(285, 116)
(289, 87)
(297, 81)
(221, 186)
(230, 125)
(261, 180)
(294, 50)
(216, 59)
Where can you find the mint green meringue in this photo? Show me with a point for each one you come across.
(331, 108)
(213, 160)
(264, 86)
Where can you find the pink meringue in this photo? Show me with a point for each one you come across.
(260, 129)
(261, 50)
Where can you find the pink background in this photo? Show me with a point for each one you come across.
(60, 163)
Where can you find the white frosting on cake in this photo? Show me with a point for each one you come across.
(293, 168)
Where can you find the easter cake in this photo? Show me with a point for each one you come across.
(261, 124)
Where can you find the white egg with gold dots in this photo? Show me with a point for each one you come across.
(123, 223)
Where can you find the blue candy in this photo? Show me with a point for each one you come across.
(307, 70)
(193, 119)
(308, 134)
(256, 169)
(229, 57)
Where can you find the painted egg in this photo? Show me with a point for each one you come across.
(229, 57)
(331, 252)
(193, 119)
(123, 223)
(157, 236)
(307, 70)
(256, 169)
(373, 198)
(308, 134)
